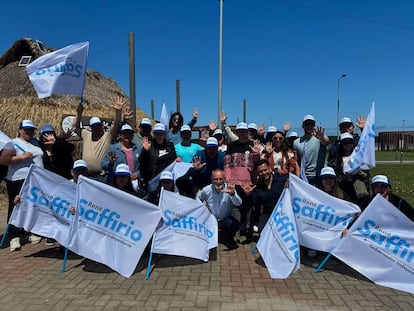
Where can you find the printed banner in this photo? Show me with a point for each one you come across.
(60, 72)
(189, 229)
(45, 203)
(380, 245)
(279, 243)
(363, 156)
(320, 217)
(111, 226)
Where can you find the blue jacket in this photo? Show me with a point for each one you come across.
(121, 158)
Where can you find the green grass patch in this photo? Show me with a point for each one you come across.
(402, 179)
(394, 155)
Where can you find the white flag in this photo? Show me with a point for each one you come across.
(60, 72)
(278, 243)
(45, 203)
(363, 156)
(380, 245)
(5, 142)
(178, 169)
(111, 226)
(189, 229)
(164, 119)
(320, 217)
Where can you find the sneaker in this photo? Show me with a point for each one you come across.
(15, 244)
(50, 241)
(34, 239)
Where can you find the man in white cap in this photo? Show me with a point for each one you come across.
(97, 141)
(204, 163)
(80, 167)
(144, 130)
(186, 150)
(347, 126)
(380, 184)
(310, 149)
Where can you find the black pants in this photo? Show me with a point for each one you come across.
(13, 189)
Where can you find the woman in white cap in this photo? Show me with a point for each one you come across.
(124, 151)
(122, 179)
(26, 153)
(381, 184)
(329, 184)
(353, 184)
(166, 182)
(57, 152)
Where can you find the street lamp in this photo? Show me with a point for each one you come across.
(220, 66)
(337, 111)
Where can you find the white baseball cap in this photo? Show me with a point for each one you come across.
(292, 134)
(241, 126)
(122, 169)
(211, 142)
(126, 127)
(272, 129)
(345, 120)
(146, 121)
(80, 164)
(218, 132)
(328, 171)
(159, 128)
(252, 126)
(346, 136)
(309, 117)
(27, 124)
(380, 179)
(166, 175)
(95, 121)
(185, 128)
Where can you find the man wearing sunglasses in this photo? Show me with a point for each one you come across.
(310, 149)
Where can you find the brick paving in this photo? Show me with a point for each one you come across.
(31, 280)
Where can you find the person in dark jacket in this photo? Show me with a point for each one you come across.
(380, 184)
(156, 155)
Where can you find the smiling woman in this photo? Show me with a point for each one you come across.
(27, 151)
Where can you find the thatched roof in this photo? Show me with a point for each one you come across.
(18, 99)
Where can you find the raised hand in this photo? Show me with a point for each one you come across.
(212, 125)
(112, 157)
(195, 113)
(230, 189)
(127, 114)
(197, 163)
(261, 129)
(146, 143)
(50, 139)
(361, 121)
(286, 127)
(256, 146)
(247, 187)
(118, 102)
(269, 147)
(223, 116)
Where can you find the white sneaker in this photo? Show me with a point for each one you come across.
(34, 239)
(15, 244)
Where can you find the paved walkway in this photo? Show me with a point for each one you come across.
(30, 279)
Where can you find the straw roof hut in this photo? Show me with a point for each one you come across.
(18, 99)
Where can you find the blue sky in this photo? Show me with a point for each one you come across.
(283, 56)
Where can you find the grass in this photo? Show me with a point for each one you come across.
(394, 155)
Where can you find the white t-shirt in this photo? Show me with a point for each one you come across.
(19, 170)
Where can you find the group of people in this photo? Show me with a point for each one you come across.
(239, 175)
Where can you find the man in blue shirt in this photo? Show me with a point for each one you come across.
(220, 198)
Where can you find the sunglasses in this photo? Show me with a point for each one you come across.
(309, 123)
(176, 119)
(278, 138)
(347, 142)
